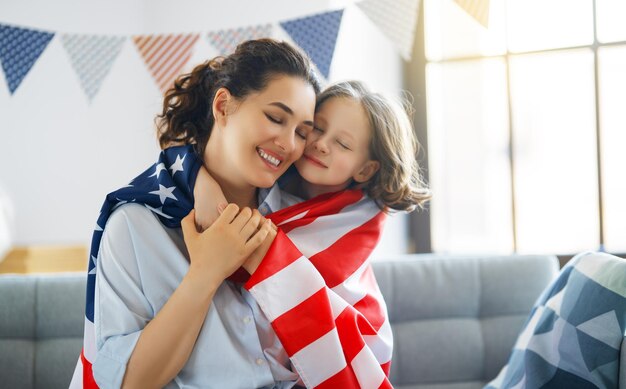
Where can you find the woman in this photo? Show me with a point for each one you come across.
(163, 319)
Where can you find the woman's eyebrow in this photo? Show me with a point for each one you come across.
(289, 111)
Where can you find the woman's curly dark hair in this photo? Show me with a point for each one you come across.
(187, 116)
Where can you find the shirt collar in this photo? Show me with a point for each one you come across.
(269, 199)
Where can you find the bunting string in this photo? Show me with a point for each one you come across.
(165, 56)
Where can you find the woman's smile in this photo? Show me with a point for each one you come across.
(269, 158)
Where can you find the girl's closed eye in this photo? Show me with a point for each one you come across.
(343, 144)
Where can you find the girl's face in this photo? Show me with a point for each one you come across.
(337, 150)
(261, 135)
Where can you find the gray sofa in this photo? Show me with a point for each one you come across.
(454, 319)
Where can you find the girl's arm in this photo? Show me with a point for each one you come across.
(167, 341)
(207, 196)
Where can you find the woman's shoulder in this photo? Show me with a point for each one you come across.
(132, 217)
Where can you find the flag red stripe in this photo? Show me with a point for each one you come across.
(88, 380)
(305, 323)
(348, 253)
(370, 307)
(344, 379)
(281, 253)
(351, 340)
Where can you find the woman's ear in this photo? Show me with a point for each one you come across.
(367, 171)
(221, 102)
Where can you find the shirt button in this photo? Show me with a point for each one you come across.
(246, 319)
(260, 361)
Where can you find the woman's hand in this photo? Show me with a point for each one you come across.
(254, 260)
(223, 247)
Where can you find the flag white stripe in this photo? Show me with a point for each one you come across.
(89, 343)
(299, 277)
(77, 377)
(337, 304)
(320, 360)
(351, 289)
(367, 371)
(324, 231)
(381, 344)
(298, 216)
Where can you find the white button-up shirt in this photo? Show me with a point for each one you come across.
(140, 265)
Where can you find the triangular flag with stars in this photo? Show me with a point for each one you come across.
(92, 57)
(317, 36)
(165, 55)
(19, 50)
(225, 41)
(396, 19)
(478, 9)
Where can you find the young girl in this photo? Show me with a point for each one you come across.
(315, 283)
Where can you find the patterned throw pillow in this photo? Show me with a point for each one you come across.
(575, 331)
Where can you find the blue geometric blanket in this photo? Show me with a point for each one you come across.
(575, 331)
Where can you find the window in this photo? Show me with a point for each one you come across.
(526, 126)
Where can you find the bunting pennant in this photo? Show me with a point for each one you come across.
(225, 41)
(165, 55)
(92, 57)
(478, 9)
(19, 50)
(317, 36)
(396, 19)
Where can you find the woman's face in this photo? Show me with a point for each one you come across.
(261, 135)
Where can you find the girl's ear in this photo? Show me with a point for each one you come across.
(367, 171)
(221, 102)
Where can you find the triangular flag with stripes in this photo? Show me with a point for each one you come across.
(225, 41)
(165, 55)
(478, 9)
(317, 36)
(19, 50)
(396, 19)
(92, 57)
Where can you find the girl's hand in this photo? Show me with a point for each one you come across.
(222, 248)
(207, 197)
(255, 259)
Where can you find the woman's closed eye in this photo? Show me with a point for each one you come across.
(273, 119)
(301, 133)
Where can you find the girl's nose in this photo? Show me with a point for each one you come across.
(320, 145)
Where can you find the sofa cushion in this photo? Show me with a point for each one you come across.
(41, 329)
(455, 318)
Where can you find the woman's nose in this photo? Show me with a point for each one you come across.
(286, 141)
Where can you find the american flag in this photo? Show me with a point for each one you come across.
(315, 284)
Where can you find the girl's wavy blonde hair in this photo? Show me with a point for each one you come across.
(398, 184)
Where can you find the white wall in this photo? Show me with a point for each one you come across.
(60, 154)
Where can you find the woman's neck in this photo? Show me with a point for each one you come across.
(240, 193)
